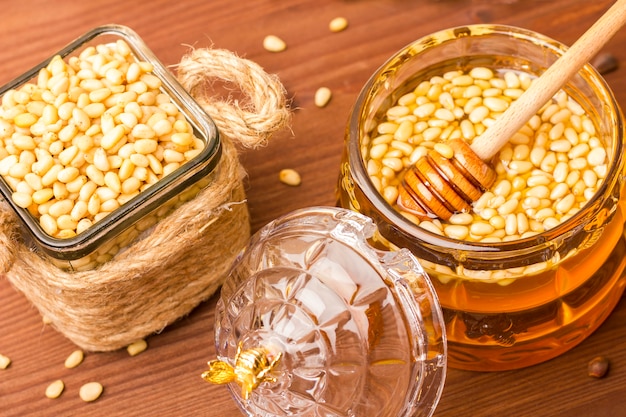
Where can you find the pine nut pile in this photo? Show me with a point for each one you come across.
(546, 173)
(87, 135)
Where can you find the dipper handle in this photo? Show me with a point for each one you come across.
(543, 88)
(439, 187)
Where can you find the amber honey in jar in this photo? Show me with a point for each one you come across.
(535, 265)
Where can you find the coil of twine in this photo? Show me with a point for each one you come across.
(185, 258)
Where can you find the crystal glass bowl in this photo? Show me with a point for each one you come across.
(337, 327)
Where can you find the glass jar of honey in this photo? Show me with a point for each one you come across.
(535, 264)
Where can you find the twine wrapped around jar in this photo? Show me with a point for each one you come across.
(185, 258)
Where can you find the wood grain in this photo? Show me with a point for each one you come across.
(165, 379)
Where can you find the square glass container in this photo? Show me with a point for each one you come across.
(99, 242)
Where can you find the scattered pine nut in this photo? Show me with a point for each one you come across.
(75, 359)
(5, 361)
(338, 24)
(137, 347)
(46, 320)
(273, 43)
(290, 177)
(91, 391)
(55, 389)
(322, 96)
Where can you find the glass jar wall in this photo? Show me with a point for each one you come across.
(508, 303)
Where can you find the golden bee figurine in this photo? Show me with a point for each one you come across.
(252, 367)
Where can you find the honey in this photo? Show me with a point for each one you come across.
(507, 303)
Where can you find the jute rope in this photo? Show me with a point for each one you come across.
(252, 122)
(187, 256)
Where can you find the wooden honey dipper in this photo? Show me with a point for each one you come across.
(437, 186)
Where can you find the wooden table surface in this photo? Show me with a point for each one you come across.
(165, 379)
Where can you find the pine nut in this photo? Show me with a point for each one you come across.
(478, 114)
(588, 126)
(508, 207)
(5, 361)
(481, 229)
(60, 192)
(273, 43)
(596, 156)
(68, 174)
(498, 223)
(170, 155)
(562, 145)
(55, 389)
(560, 173)
(390, 194)
(137, 347)
(387, 128)
(338, 24)
(90, 391)
(481, 73)
(549, 111)
(48, 223)
(578, 163)
(521, 167)
(556, 132)
(444, 114)
(34, 181)
(431, 227)
(578, 188)
(496, 104)
(23, 142)
(431, 134)
(459, 232)
(565, 204)
(578, 151)
(503, 188)
(74, 359)
(23, 200)
(290, 177)
(461, 219)
(543, 214)
(549, 162)
(488, 212)
(601, 170)
(139, 160)
(590, 178)
(559, 191)
(322, 96)
(462, 80)
(112, 137)
(403, 147)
